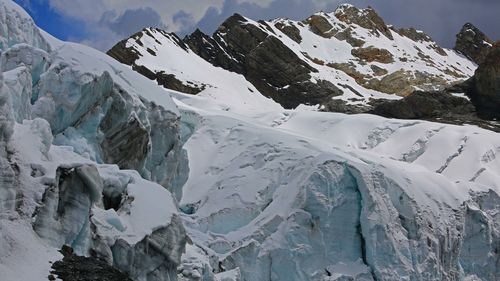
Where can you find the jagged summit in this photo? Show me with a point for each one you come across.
(473, 43)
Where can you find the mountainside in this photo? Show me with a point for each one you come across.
(349, 55)
(106, 175)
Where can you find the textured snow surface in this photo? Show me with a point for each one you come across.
(262, 193)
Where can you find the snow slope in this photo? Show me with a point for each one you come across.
(161, 51)
(243, 189)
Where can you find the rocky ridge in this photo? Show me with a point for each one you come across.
(310, 62)
(473, 43)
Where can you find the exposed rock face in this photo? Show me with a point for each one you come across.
(438, 106)
(366, 18)
(473, 43)
(290, 30)
(400, 82)
(426, 105)
(278, 73)
(347, 35)
(371, 54)
(77, 268)
(321, 26)
(417, 35)
(403, 83)
(485, 90)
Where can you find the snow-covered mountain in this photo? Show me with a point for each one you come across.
(349, 55)
(227, 184)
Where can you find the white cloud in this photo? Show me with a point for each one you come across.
(102, 17)
(92, 10)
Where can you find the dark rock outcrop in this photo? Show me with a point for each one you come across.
(320, 26)
(473, 43)
(78, 268)
(425, 105)
(290, 30)
(417, 35)
(438, 106)
(485, 85)
(254, 50)
(483, 89)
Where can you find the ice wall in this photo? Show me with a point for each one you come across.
(7, 175)
(275, 206)
(71, 121)
(18, 27)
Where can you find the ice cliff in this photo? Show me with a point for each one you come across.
(86, 145)
(227, 185)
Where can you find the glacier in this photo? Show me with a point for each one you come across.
(167, 186)
(276, 205)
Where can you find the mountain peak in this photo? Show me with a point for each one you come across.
(366, 18)
(473, 43)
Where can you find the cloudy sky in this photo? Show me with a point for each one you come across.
(102, 23)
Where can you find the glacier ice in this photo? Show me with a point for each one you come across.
(18, 27)
(92, 110)
(250, 195)
(64, 112)
(275, 206)
(63, 216)
(7, 175)
(18, 83)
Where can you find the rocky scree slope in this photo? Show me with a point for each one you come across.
(347, 57)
